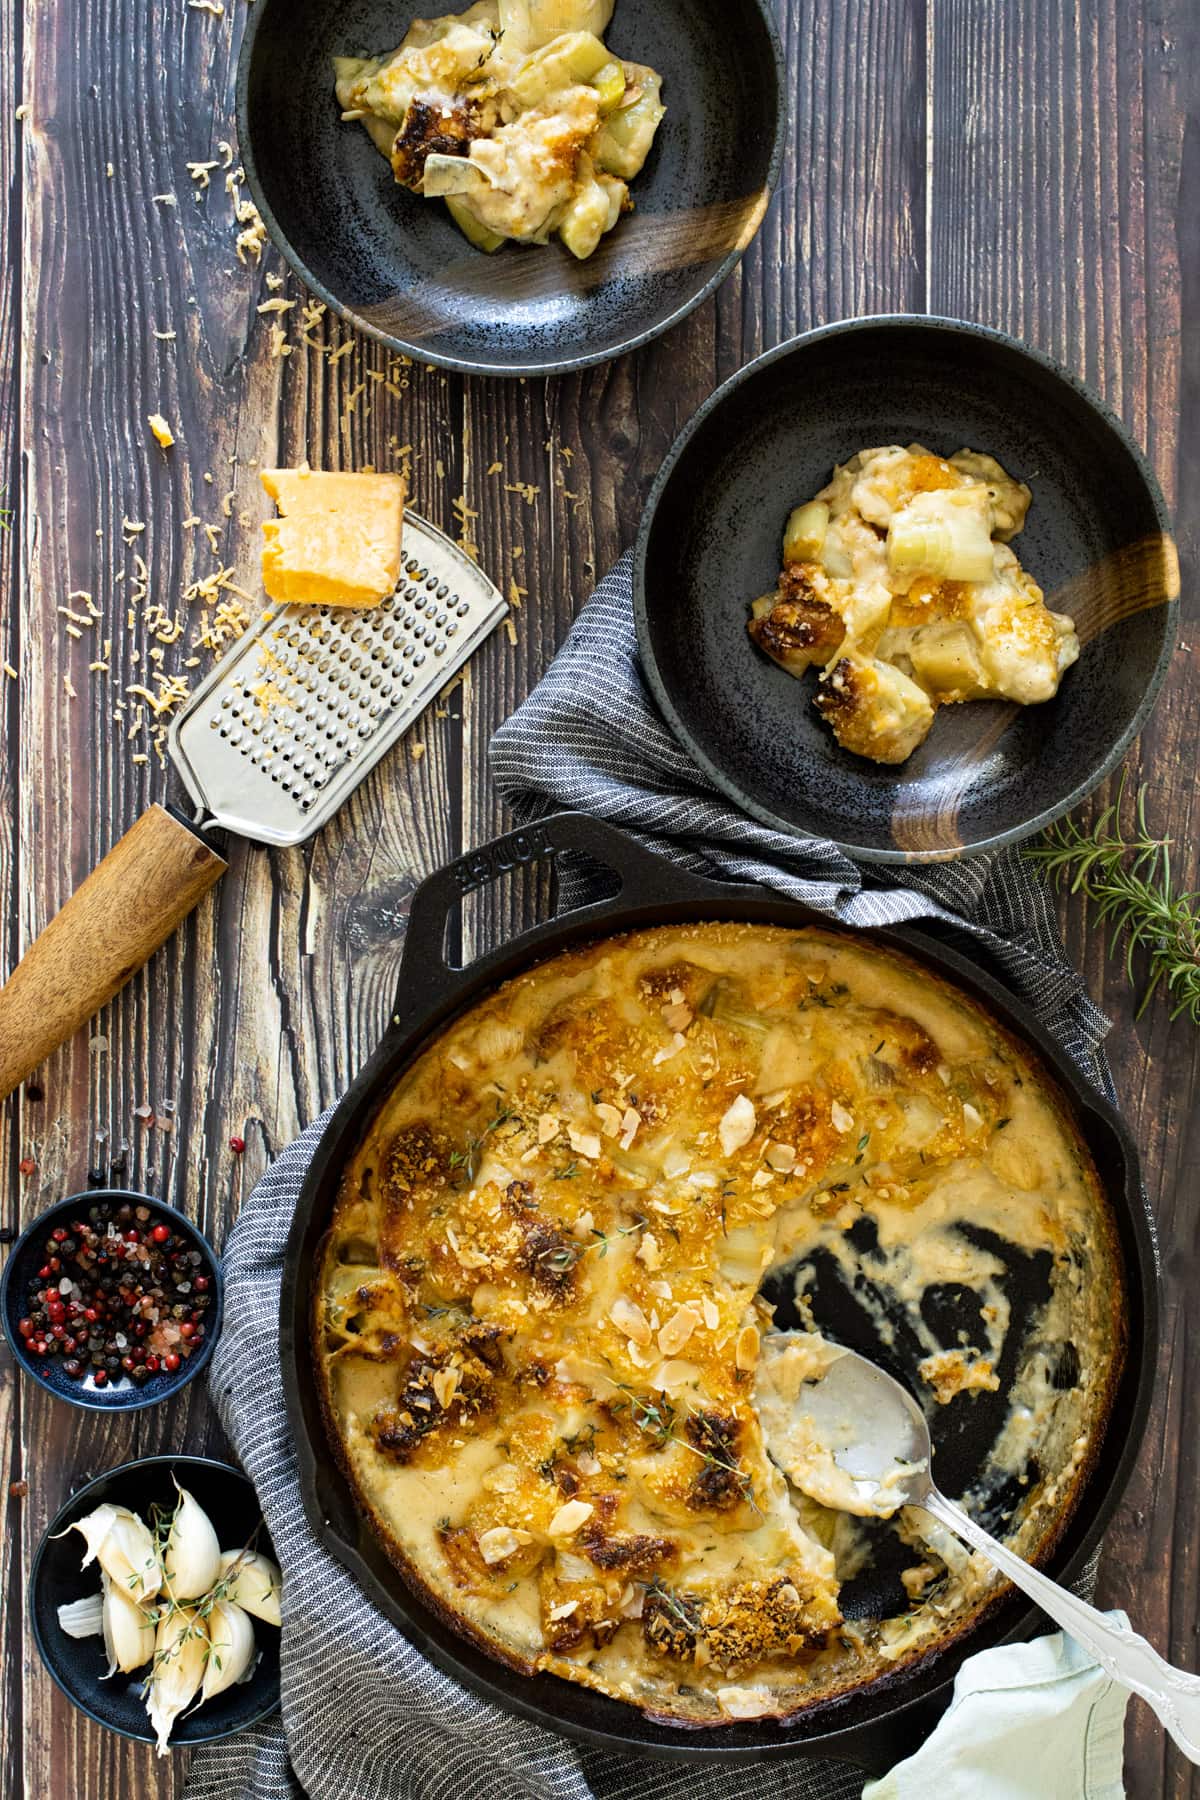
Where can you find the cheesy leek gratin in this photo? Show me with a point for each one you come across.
(548, 1369)
(516, 115)
(899, 583)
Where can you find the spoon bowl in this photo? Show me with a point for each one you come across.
(858, 1440)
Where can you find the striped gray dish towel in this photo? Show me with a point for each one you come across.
(365, 1717)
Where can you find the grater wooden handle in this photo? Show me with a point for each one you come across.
(128, 906)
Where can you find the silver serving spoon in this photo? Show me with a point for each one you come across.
(876, 1434)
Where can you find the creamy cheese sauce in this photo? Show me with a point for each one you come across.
(541, 1328)
(899, 583)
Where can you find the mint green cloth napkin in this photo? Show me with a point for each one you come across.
(1037, 1721)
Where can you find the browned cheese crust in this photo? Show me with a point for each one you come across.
(537, 1325)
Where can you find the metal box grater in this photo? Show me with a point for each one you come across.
(309, 699)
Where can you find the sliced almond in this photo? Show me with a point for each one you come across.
(737, 1127)
(972, 1117)
(677, 1017)
(712, 1313)
(569, 1518)
(677, 1330)
(610, 1119)
(562, 1612)
(547, 1128)
(588, 1464)
(761, 1178)
(496, 1545)
(675, 1162)
(648, 1251)
(445, 1386)
(745, 1354)
(630, 1121)
(673, 1375)
(584, 1143)
(582, 1228)
(843, 1121)
(781, 1158)
(628, 1317)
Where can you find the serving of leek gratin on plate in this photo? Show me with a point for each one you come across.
(899, 583)
(171, 1601)
(515, 114)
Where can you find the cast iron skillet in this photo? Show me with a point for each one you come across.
(871, 1727)
(1097, 541)
(397, 265)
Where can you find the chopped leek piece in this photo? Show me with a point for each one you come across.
(953, 544)
(451, 175)
(382, 132)
(516, 27)
(472, 230)
(567, 61)
(586, 219)
(550, 17)
(609, 83)
(623, 142)
(804, 538)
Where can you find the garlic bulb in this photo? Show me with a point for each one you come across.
(252, 1581)
(82, 1618)
(231, 1647)
(180, 1652)
(192, 1560)
(128, 1631)
(124, 1548)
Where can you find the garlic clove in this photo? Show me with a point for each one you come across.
(82, 1618)
(180, 1653)
(128, 1630)
(124, 1548)
(231, 1647)
(192, 1559)
(252, 1581)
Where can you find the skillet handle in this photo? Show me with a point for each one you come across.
(645, 877)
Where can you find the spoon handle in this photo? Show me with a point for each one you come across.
(1121, 1653)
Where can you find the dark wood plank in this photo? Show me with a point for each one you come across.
(1063, 201)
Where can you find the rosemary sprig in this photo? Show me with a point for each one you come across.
(1128, 880)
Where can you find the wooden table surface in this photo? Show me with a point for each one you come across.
(1031, 163)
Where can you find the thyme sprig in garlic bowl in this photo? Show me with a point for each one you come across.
(155, 1602)
(516, 114)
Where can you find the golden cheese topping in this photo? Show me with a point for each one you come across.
(539, 1325)
(337, 541)
(899, 584)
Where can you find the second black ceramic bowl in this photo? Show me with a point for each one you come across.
(1097, 540)
(398, 267)
(56, 1578)
(120, 1394)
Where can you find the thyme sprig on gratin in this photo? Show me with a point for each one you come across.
(1127, 876)
(655, 1419)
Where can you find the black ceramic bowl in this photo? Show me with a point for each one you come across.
(398, 267)
(123, 1395)
(56, 1578)
(1097, 541)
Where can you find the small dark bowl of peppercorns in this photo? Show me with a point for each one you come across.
(112, 1300)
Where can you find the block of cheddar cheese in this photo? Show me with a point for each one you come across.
(337, 539)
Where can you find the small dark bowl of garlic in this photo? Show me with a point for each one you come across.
(155, 1602)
